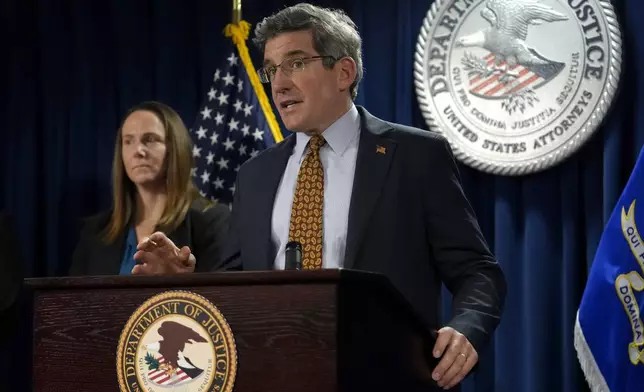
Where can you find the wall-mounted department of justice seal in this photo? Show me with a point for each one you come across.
(516, 86)
(176, 341)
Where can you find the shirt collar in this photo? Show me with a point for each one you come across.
(338, 135)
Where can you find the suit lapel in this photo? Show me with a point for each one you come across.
(110, 257)
(267, 179)
(181, 235)
(375, 154)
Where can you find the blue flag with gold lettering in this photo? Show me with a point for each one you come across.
(609, 334)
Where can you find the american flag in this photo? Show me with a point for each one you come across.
(229, 129)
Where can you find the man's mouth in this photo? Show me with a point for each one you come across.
(289, 103)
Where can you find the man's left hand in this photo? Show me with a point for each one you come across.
(460, 357)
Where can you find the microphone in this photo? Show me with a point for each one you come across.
(293, 255)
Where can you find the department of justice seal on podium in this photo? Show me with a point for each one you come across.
(517, 86)
(176, 341)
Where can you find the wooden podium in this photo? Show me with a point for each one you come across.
(295, 331)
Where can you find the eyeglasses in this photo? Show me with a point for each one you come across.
(266, 74)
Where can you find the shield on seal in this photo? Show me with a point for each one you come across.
(491, 85)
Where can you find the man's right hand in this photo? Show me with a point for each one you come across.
(158, 255)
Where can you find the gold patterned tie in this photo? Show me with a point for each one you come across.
(306, 211)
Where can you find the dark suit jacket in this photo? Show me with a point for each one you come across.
(409, 220)
(203, 231)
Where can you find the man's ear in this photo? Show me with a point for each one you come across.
(346, 70)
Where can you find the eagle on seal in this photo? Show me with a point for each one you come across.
(175, 337)
(505, 38)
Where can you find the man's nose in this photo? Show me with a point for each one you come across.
(281, 82)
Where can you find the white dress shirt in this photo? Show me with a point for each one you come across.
(338, 158)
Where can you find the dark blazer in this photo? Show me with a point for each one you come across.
(10, 264)
(203, 231)
(409, 219)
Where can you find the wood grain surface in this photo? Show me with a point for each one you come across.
(285, 326)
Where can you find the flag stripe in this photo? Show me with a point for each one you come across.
(501, 86)
(180, 377)
(161, 378)
(490, 60)
(524, 84)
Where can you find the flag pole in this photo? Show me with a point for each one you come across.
(237, 15)
(238, 31)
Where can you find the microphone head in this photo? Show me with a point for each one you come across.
(293, 256)
(294, 245)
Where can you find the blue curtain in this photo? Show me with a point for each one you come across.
(71, 68)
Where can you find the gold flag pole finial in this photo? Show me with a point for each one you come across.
(237, 16)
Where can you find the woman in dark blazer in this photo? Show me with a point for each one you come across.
(152, 191)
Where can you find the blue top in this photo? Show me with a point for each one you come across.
(128, 255)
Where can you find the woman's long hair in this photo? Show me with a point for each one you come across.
(181, 192)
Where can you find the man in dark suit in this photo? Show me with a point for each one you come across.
(359, 192)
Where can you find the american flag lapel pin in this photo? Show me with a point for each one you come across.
(381, 149)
